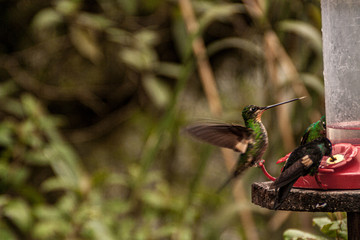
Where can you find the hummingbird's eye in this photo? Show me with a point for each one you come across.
(324, 124)
(252, 109)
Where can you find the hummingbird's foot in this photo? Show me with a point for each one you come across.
(262, 166)
(283, 159)
(261, 163)
(321, 185)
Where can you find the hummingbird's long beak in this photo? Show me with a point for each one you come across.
(278, 104)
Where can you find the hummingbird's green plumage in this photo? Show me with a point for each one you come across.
(256, 149)
(251, 141)
(304, 160)
(314, 131)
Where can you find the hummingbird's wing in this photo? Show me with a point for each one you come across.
(290, 175)
(293, 172)
(231, 136)
(287, 179)
(305, 137)
(314, 131)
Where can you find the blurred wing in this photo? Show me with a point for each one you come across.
(231, 136)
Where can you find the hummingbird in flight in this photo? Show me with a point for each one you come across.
(251, 141)
(314, 131)
(304, 160)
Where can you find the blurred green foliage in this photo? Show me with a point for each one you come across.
(94, 95)
(333, 227)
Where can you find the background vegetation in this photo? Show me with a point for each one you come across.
(94, 94)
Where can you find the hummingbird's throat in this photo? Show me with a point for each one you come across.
(258, 114)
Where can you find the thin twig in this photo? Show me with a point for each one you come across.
(205, 71)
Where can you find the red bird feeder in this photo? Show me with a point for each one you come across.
(341, 177)
(343, 173)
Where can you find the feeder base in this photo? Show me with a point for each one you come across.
(307, 200)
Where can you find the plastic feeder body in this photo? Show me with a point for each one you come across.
(341, 39)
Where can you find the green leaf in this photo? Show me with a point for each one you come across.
(86, 43)
(19, 175)
(168, 69)
(56, 183)
(304, 30)
(327, 226)
(314, 82)
(19, 212)
(336, 228)
(46, 18)
(104, 178)
(146, 38)
(15, 175)
(52, 229)
(158, 91)
(29, 135)
(65, 164)
(294, 234)
(7, 88)
(119, 36)
(99, 230)
(44, 212)
(6, 133)
(141, 55)
(140, 59)
(67, 203)
(37, 157)
(155, 199)
(94, 21)
(31, 106)
(183, 45)
(218, 12)
(239, 43)
(14, 107)
(322, 222)
(26, 130)
(68, 7)
(4, 200)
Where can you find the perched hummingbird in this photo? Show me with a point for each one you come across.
(251, 141)
(314, 131)
(304, 160)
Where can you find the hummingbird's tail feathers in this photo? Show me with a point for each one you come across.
(282, 194)
(285, 181)
(289, 175)
(225, 184)
(236, 173)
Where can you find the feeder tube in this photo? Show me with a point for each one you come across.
(341, 49)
